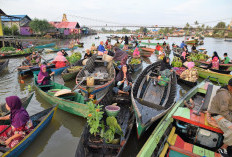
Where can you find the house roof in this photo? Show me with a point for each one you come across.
(70, 25)
(1, 12)
(13, 18)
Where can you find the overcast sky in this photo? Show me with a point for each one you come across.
(139, 12)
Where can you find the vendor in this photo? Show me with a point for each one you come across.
(60, 61)
(65, 54)
(44, 77)
(87, 54)
(190, 74)
(226, 59)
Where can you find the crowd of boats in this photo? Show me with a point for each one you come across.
(112, 102)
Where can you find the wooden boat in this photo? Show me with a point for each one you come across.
(99, 37)
(14, 55)
(125, 119)
(103, 77)
(3, 64)
(223, 68)
(25, 102)
(79, 45)
(154, 44)
(49, 50)
(70, 73)
(45, 46)
(135, 67)
(145, 38)
(183, 133)
(148, 49)
(214, 76)
(228, 39)
(58, 71)
(142, 53)
(26, 71)
(151, 102)
(40, 121)
(73, 102)
(192, 40)
(188, 83)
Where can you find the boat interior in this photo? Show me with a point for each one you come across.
(151, 99)
(190, 133)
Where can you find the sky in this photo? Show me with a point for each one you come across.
(124, 12)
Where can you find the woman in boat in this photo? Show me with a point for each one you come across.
(194, 47)
(93, 48)
(215, 63)
(125, 47)
(183, 57)
(21, 125)
(215, 55)
(87, 54)
(123, 81)
(65, 54)
(126, 40)
(158, 47)
(60, 61)
(101, 49)
(190, 74)
(136, 53)
(120, 55)
(35, 57)
(44, 77)
(165, 69)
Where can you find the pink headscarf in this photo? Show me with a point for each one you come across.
(136, 52)
(190, 65)
(60, 57)
(184, 54)
(215, 59)
(42, 75)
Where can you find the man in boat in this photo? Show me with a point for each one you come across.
(101, 49)
(182, 45)
(35, 58)
(220, 114)
(226, 59)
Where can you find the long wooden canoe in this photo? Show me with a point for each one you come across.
(144, 43)
(58, 71)
(172, 135)
(73, 103)
(125, 119)
(103, 78)
(135, 67)
(151, 102)
(40, 121)
(45, 46)
(223, 68)
(3, 64)
(14, 55)
(214, 76)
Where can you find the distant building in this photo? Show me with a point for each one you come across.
(67, 28)
(18, 20)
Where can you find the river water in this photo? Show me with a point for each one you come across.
(61, 137)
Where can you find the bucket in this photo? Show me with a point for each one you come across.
(112, 110)
(84, 61)
(107, 58)
(90, 81)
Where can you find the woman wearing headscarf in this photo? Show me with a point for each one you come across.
(190, 74)
(44, 77)
(165, 71)
(21, 125)
(183, 57)
(215, 63)
(60, 61)
(215, 55)
(120, 55)
(123, 81)
(126, 40)
(93, 47)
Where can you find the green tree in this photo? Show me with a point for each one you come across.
(187, 25)
(124, 30)
(14, 30)
(6, 30)
(40, 26)
(196, 23)
(219, 33)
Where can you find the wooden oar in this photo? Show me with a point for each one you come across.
(78, 84)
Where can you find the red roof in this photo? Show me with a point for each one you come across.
(70, 25)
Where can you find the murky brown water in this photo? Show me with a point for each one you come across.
(61, 136)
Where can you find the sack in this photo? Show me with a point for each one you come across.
(84, 61)
(163, 81)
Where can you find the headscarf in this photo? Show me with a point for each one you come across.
(120, 55)
(215, 55)
(164, 64)
(184, 54)
(18, 115)
(120, 75)
(60, 57)
(42, 75)
(215, 59)
(190, 65)
(136, 52)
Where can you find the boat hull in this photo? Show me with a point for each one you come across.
(4, 65)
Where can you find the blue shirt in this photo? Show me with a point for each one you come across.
(101, 48)
(182, 45)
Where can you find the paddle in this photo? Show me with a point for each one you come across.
(83, 78)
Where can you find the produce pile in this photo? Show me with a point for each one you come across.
(74, 57)
(176, 62)
(198, 57)
(6, 49)
(75, 68)
(135, 61)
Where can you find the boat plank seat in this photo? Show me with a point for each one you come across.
(187, 115)
(176, 146)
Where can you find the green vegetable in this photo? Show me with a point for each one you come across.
(135, 61)
(74, 57)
